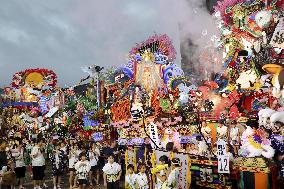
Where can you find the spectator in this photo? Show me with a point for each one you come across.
(20, 167)
(57, 161)
(38, 163)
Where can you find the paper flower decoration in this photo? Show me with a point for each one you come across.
(165, 104)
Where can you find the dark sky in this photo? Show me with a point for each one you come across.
(64, 35)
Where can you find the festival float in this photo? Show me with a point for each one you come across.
(253, 57)
(163, 104)
(31, 100)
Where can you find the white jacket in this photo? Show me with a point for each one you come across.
(82, 169)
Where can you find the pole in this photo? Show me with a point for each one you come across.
(98, 91)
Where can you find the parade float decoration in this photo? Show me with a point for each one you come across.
(150, 96)
(250, 36)
(32, 86)
(34, 93)
(146, 98)
(246, 30)
(35, 78)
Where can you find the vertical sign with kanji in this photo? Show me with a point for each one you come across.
(154, 135)
(277, 39)
(223, 157)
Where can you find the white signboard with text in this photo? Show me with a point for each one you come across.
(223, 157)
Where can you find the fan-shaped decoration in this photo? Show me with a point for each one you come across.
(34, 78)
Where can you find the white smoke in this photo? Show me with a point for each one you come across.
(198, 33)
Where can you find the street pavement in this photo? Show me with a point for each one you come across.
(65, 179)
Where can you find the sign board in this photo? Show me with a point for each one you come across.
(51, 112)
(277, 39)
(223, 157)
(221, 147)
(153, 130)
(224, 164)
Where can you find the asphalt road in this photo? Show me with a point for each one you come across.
(65, 184)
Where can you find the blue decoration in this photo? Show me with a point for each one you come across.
(126, 72)
(15, 104)
(189, 139)
(43, 104)
(138, 57)
(98, 136)
(171, 71)
(160, 58)
(88, 123)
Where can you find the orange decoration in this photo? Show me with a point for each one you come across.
(120, 110)
(156, 105)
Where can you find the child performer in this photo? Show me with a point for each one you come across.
(83, 168)
(94, 154)
(112, 173)
(73, 158)
(130, 178)
(162, 175)
(173, 178)
(142, 179)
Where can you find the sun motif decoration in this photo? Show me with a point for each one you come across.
(34, 78)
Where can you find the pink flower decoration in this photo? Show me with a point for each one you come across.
(136, 126)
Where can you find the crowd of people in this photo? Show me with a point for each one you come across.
(88, 164)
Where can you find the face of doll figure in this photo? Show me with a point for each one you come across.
(137, 89)
(171, 96)
(268, 123)
(277, 127)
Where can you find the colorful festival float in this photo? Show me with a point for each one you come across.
(31, 101)
(147, 100)
(150, 99)
(231, 126)
(252, 40)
